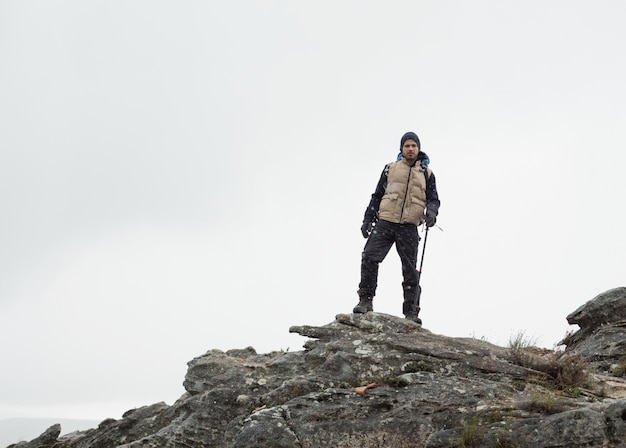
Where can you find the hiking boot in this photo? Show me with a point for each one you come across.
(411, 311)
(364, 305)
(414, 318)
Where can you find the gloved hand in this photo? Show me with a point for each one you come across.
(430, 218)
(366, 229)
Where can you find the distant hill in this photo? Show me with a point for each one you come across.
(14, 430)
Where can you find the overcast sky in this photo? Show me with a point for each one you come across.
(183, 176)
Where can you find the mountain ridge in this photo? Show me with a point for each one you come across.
(375, 380)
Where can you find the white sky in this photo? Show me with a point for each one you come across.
(182, 176)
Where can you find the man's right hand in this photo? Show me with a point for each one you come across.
(366, 229)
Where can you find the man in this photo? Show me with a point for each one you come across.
(405, 197)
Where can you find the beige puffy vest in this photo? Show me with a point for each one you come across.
(404, 200)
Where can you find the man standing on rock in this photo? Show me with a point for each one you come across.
(405, 197)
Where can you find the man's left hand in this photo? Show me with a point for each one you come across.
(430, 218)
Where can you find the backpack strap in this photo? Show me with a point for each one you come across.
(427, 171)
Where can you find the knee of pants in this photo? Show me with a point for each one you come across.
(368, 258)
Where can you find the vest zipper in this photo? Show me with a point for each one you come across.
(408, 182)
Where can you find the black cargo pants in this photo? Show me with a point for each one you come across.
(406, 239)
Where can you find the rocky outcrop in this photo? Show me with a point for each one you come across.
(48, 438)
(602, 323)
(374, 380)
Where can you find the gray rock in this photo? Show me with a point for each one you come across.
(47, 439)
(602, 321)
(374, 380)
(607, 307)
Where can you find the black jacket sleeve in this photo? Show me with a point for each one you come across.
(371, 212)
(432, 197)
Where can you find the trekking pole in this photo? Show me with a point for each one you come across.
(419, 272)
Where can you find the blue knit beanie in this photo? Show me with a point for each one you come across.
(410, 136)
